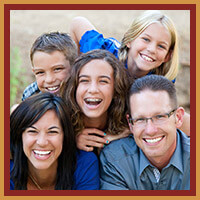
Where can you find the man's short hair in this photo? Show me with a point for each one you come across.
(154, 83)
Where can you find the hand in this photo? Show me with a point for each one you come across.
(125, 133)
(90, 138)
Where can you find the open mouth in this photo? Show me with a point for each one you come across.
(153, 140)
(93, 102)
(53, 89)
(147, 58)
(41, 153)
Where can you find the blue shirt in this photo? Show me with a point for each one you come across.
(90, 40)
(86, 176)
(93, 40)
(123, 166)
(30, 90)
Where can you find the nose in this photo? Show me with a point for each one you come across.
(49, 78)
(93, 87)
(151, 47)
(150, 128)
(42, 139)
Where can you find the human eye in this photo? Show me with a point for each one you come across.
(53, 132)
(83, 80)
(58, 69)
(146, 39)
(31, 131)
(104, 81)
(140, 120)
(160, 116)
(161, 46)
(39, 73)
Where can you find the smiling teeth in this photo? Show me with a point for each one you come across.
(147, 58)
(42, 152)
(153, 140)
(93, 100)
(52, 88)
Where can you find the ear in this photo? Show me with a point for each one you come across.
(168, 56)
(129, 123)
(179, 116)
(33, 70)
(128, 45)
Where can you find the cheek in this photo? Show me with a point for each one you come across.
(64, 74)
(59, 144)
(27, 143)
(40, 81)
(109, 93)
(78, 95)
(162, 56)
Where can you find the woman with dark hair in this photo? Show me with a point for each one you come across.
(96, 92)
(43, 148)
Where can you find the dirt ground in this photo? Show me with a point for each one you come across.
(27, 25)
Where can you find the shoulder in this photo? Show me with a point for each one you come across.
(184, 140)
(85, 160)
(11, 181)
(86, 175)
(11, 164)
(83, 155)
(120, 149)
(30, 90)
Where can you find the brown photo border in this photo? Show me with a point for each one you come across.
(9, 7)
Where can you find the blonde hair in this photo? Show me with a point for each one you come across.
(168, 69)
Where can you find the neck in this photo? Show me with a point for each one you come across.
(42, 179)
(136, 72)
(99, 123)
(161, 161)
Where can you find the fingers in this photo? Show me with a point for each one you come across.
(90, 138)
(110, 138)
(93, 131)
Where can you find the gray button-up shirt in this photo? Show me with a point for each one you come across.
(123, 166)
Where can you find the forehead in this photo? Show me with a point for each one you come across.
(97, 67)
(41, 58)
(159, 31)
(149, 102)
(49, 118)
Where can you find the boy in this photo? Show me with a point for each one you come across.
(52, 55)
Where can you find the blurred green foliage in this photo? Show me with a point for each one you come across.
(17, 76)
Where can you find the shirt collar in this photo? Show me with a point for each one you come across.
(144, 162)
(176, 159)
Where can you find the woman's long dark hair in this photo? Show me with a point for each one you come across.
(25, 115)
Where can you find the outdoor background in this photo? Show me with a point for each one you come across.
(27, 25)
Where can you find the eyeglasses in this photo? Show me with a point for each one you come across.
(156, 120)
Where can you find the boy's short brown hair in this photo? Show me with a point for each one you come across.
(55, 41)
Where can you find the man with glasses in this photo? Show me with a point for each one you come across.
(156, 156)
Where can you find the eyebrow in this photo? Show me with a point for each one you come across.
(32, 127)
(53, 66)
(102, 76)
(52, 127)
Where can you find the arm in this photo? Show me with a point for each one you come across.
(78, 27)
(110, 137)
(90, 138)
(186, 124)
